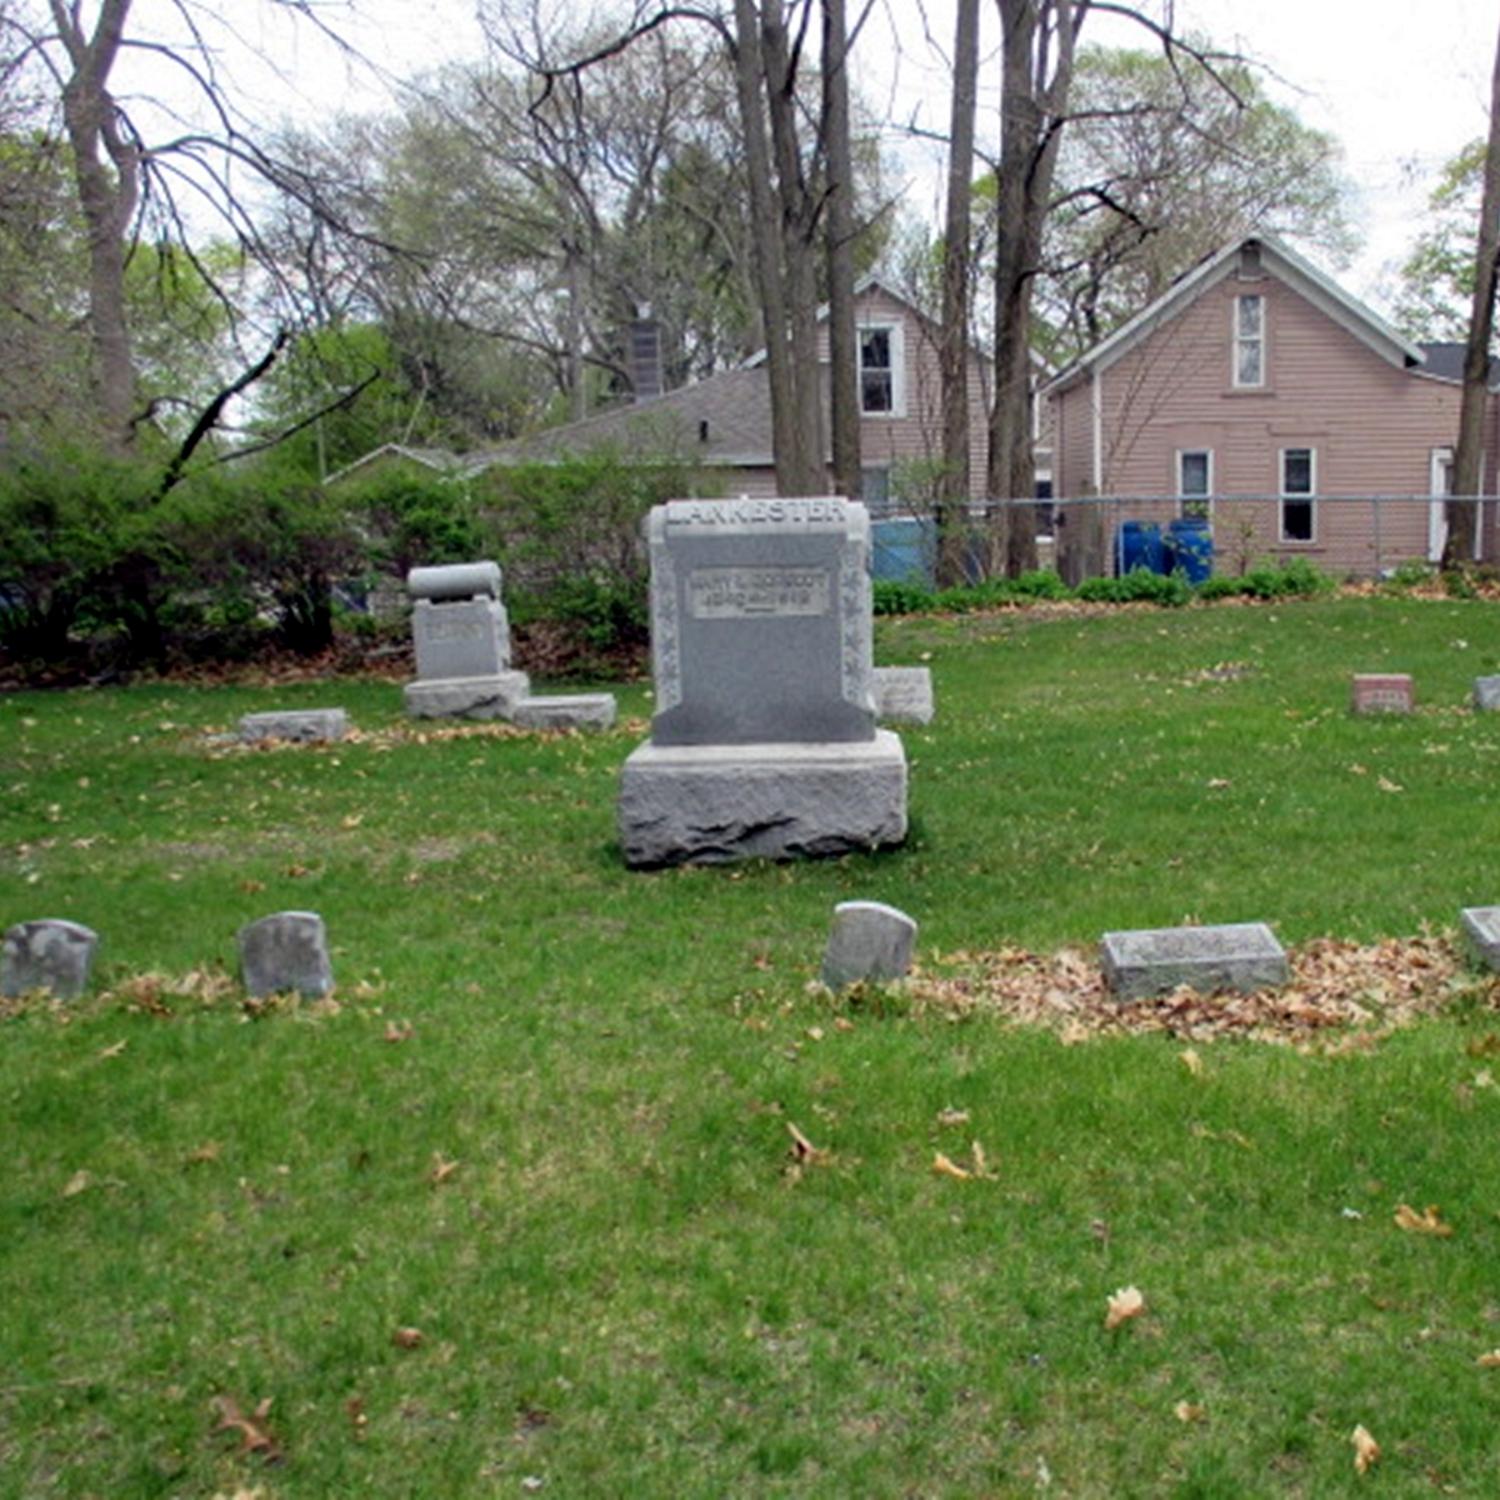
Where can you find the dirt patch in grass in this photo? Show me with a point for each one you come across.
(1359, 991)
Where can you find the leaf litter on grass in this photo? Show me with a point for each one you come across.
(1366, 990)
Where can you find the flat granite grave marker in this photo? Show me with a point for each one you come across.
(285, 951)
(1241, 956)
(1381, 693)
(868, 941)
(764, 740)
(1487, 693)
(306, 726)
(462, 638)
(1481, 926)
(47, 954)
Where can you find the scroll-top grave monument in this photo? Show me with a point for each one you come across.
(462, 638)
(764, 740)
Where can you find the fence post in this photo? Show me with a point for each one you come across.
(1375, 528)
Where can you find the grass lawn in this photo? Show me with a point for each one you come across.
(544, 1129)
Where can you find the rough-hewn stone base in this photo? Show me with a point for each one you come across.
(712, 804)
(466, 697)
(1241, 956)
(564, 711)
(903, 695)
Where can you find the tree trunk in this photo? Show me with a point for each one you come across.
(1468, 466)
(1034, 93)
(838, 232)
(108, 191)
(796, 432)
(953, 352)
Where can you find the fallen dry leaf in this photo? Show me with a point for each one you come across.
(255, 1436)
(1187, 1411)
(1191, 1061)
(398, 1031)
(1427, 1222)
(1366, 1449)
(803, 1151)
(355, 1406)
(1387, 785)
(1126, 1303)
(981, 1164)
(208, 1151)
(953, 1117)
(76, 1183)
(945, 1167)
(114, 1049)
(407, 1338)
(1490, 1361)
(442, 1168)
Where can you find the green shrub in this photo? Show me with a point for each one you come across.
(897, 596)
(1140, 585)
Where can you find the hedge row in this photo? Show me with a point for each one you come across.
(100, 571)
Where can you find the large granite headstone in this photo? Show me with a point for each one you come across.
(284, 952)
(1242, 956)
(462, 638)
(764, 740)
(48, 954)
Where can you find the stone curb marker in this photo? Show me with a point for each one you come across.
(47, 954)
(1241, 956)
(1481, 925)
(300, 725)
(903, 695)
(1380, 692)
(868, 941)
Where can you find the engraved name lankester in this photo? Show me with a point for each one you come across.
(744, 593)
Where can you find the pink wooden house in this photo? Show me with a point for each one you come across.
(1258, 393)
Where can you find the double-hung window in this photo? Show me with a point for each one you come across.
(881, 388)
(1249, 340)
(1195, 480)
(1299, 483)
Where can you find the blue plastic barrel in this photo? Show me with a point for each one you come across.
(1190, 546)
(1138, 545)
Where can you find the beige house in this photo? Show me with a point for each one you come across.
(722, 425)
(1258, 393)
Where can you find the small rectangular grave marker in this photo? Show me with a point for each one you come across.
(1487, 693)
(304, 725)
(1381, 692)
(1241, 956)
(903, 695)
(1481, 926)
(869, 941)
(48, 954)
(283, 952)
(564, 711)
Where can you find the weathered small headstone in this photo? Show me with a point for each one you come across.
(868, 941)
(1381, 693)
(763, 741)
(47, 954)
(462, 638)
(302, 725)
(564, 711)
(1487, 693)
(283, 952)
(903, 695)
(1241, 956)
(1481, 926)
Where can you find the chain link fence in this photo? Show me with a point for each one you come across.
(1365, 536)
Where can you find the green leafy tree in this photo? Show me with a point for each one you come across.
(1437, 277)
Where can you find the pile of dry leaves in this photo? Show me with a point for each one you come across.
(1362, 989)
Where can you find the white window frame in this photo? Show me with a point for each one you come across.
(1309, 496)
(1207, 497)
(1242, 339)
(898, 368)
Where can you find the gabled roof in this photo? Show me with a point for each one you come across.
(1445, 361)
(1280, 261)
(438, 459)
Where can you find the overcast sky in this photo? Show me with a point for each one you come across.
(1402, 85)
